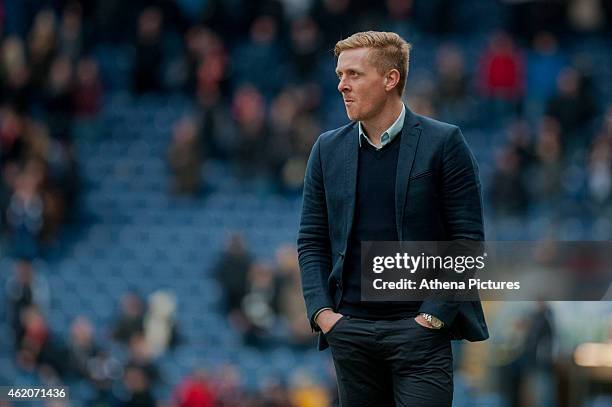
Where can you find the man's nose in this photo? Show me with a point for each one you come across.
(342, 86)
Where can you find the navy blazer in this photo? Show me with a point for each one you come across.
(437, 198)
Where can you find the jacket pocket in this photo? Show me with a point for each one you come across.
(421, 175)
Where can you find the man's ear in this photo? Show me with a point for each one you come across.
(392, 79)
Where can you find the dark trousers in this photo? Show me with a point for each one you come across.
(391, 363)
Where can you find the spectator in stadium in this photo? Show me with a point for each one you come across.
(208, 67)
(265, 68)
(25, 212)
(104, 371)
(40, 349)
(138, 387)
(285, 110)
(508, 192)
(131, 319)
(16, 74)
(160, 326)
(231, 271)
(82, 349)
(185, 158)
(586, 15)
(195, 390)
(293, 126)
(87, 100)
(546, 181)
(573, 107)
(257, 316)
(25, 289)
(58, 98)
(88, 93)
(538, 355)
(12, 140)
(251, 155)
(451, 93)
(141, 356)
(501, 75)
(199, 40)
(8, 174)
(288, 302)
(35, 131)
(228, 390)
(70, 33)
(147, 73)
(207, 63)
(520, 138)
(544, 63)
(306, 38)
(42, 45)
(61, 186)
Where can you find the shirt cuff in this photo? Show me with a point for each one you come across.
(314, 319)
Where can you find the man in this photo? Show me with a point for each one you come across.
(389, 175)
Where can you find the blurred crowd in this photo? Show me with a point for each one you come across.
(261, 77)
(523, 82)
(117, 364)
(263, 302)
(142, 331)
(47, 85)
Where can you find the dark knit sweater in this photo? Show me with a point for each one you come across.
(374, 220)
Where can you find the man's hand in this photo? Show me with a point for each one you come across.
(327, 319)
(423, 322)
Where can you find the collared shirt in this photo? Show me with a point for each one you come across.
(389, 134)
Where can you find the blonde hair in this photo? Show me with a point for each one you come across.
(388, 51)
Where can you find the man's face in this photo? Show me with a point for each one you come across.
(361, 85)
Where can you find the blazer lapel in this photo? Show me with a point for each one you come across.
(411, 133)
(351, 156)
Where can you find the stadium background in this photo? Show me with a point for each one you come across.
(152, 154)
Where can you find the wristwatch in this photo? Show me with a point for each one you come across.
(433, 321)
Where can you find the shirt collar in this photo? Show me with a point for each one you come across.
(388, 134)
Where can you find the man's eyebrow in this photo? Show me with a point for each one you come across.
(339, 71)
